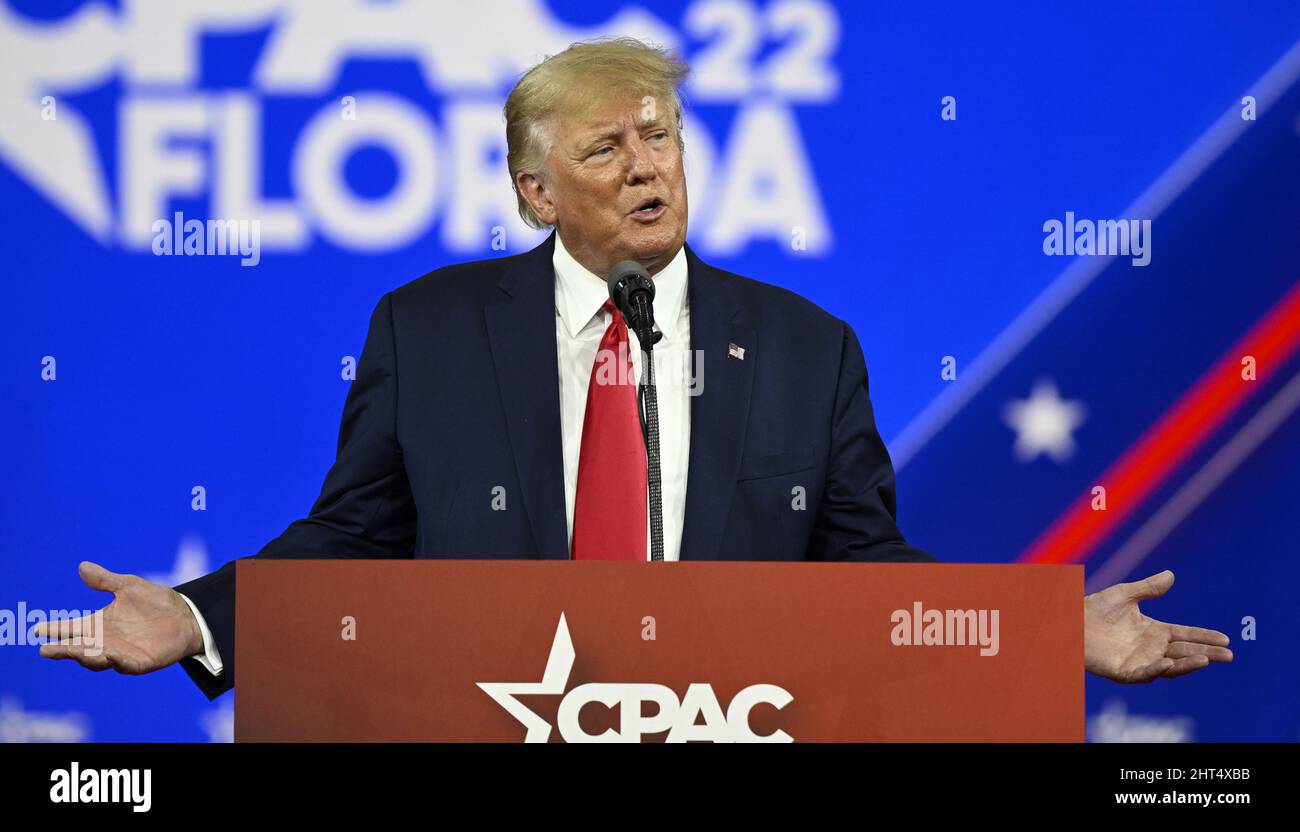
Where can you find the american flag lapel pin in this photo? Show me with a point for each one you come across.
(735, 351)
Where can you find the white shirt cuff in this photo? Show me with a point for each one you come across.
(209, 658)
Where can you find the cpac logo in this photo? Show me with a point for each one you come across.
(678, 718)
(177, 139)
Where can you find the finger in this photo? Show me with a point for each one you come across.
(1200, 635)
(1183, 649)
(94, 659)
(1152, 587)
(125, 664)
(55, 650)
(1152, 671)
(97, 577)
(1181, 667)
(69, 627)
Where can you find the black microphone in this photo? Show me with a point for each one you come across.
(633, 292)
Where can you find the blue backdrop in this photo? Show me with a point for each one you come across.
(824, 155)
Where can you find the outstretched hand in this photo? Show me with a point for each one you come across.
(1122, 644)
(146, 627)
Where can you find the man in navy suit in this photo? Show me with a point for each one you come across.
(480, 423)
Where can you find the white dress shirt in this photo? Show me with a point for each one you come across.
(579, 325)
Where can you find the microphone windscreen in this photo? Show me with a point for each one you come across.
(624, 275)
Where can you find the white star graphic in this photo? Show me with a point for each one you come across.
(191, 562)
(219, 723)
(554, 679)
(1044, 423)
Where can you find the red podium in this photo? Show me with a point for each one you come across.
(481, 650)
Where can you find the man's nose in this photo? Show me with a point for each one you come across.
(640, 166)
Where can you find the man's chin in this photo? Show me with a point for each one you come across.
(653, 244)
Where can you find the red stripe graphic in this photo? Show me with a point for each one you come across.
(1183, 428)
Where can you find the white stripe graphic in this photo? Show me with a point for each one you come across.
(1201, 484)
(1076, 277)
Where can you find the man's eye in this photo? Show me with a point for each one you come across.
(603, 151)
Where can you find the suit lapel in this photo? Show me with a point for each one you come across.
(521, 330)
(719, 414)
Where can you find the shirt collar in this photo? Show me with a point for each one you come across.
(579, 293)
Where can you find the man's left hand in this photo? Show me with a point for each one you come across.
(1122, 644)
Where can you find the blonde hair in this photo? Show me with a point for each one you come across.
(609, 63)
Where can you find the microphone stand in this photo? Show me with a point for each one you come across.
(648, 410)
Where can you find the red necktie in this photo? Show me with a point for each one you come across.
(609, 514)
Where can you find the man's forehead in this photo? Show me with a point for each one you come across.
(608, 115)
(611, 127)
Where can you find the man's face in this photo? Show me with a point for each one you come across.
(613, 183)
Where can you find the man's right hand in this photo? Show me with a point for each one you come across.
(147, 626)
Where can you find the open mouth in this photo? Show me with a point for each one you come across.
(649, 208)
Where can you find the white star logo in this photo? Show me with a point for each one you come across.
(191, 562)
(1044, 423)
(554, 679)
(219, 723)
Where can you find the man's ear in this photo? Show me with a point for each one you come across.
(537, 196)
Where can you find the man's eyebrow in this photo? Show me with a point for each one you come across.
(599, 136)
(614, 131)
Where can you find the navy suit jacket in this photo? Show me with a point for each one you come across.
(457, 393)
